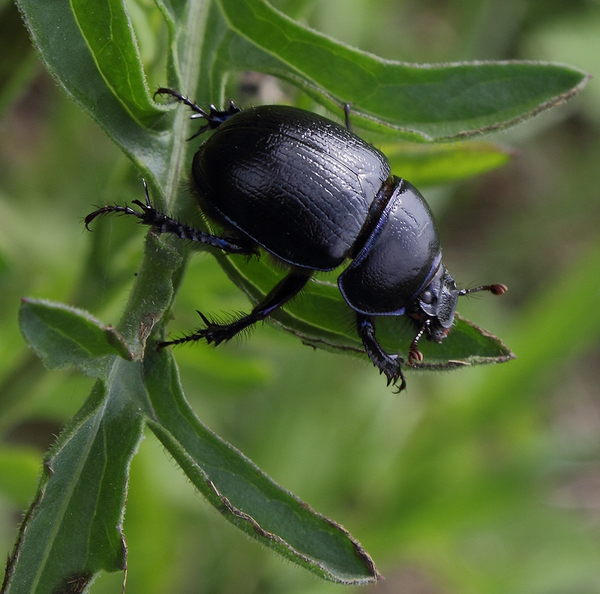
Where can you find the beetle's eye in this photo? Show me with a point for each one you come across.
(427, 297)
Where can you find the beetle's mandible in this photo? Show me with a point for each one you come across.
(314, 195)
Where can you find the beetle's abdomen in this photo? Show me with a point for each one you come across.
(294, 182)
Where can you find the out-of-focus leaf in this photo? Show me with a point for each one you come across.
(17, 59)
(430, 165)
(19, 473)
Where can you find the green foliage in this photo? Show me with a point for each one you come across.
(439, 481)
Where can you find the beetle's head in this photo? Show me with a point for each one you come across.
(434, 308)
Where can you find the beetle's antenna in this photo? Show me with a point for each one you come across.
(494, 289)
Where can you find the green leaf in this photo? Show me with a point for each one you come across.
(94, 57)
(73, 528)
(63, 336)
(72, 531)
(246, 496)
(430, 102)
(109, 36)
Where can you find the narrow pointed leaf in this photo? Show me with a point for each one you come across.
(435, 101)
(108, 33)
(73, 528)
(245, 495)
(63, 336)
(86, 472)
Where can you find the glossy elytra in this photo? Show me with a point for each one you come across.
(314, 195)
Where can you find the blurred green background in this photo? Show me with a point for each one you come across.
(480, 480)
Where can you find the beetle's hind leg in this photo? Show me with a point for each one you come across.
(162, 223)
(215, 333)
(389, 365)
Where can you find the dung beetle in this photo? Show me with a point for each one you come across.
(314, 195)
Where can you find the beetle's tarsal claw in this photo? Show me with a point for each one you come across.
(216, 333)
(91, 217)
(391, 367)
(395, 375)
(402, 386)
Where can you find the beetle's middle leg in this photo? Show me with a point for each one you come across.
(215, 333)
(389, 365)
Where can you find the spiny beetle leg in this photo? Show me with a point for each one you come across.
(389, 365)
(214, 118)
(215, 333)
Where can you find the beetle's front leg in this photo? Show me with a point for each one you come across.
(215, 333)
(389, 365)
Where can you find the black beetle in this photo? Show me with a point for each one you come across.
(313, 195)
